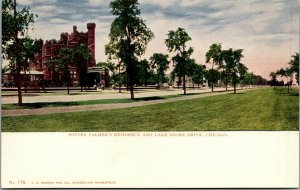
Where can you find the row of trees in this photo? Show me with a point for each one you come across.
(129, 37)
(288, 73)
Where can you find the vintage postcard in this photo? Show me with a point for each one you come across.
(150, 94)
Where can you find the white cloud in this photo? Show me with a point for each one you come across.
(96, 2)
(25, 2)
(57, 21)
(161, 3)
(191, 3)
(30, 2)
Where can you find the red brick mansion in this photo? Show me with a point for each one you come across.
(50, 50)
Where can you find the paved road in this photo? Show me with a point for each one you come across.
(52, 110)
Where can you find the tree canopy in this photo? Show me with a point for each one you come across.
(214, 56)
(176, 42)
(17, 47)
(294, 65)
(129, 36)
(160, 62)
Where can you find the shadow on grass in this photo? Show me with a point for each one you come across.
(287, 94)
(48, 104)
(294, 94)
(8, 95)
(149, 98)
(191, 94)
(238, 93)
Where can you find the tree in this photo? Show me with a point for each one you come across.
(228, 57)
(27, 48)
(160, 62)
(176, 42)
(294, 65)
(130, 36)
(233, 65)
(66, 58)
(287, 73)
(273, 81)
(15, 25)
(242, 69)
(143, 72)
(212, 75)
(81, 56)
(214, 56)
(55, 66)
(197, 74)
(111, 49)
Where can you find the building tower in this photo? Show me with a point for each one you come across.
(91, 41)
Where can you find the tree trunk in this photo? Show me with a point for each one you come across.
(25, 81)
(198, 86)
(226, 86)
(17, 57)
(119, 78)
(234, 87)
(212, 81)
(19, 89)
(146, 79)
(81, 88)
(127, 85)
(131, 92)
(184, 88)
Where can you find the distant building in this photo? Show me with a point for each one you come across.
(50, 50)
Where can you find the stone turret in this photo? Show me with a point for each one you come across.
(91, 41)
(74, 29)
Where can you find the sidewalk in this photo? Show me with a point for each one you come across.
(52, 110)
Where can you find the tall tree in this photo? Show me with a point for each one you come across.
(214, 56)
(55, 66)
(130, 36)
(160, 62)
(112, 51)
(15, 24)
(243, 70)
(66, 57)
(274, 81)
(81, 56)
(294, 65)
(197, 74)
(212, 76)
(27, 49)
(143, 72)
(287, 73)
(176, 42)
(234, 66)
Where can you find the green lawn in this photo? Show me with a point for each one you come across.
(261, 109)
